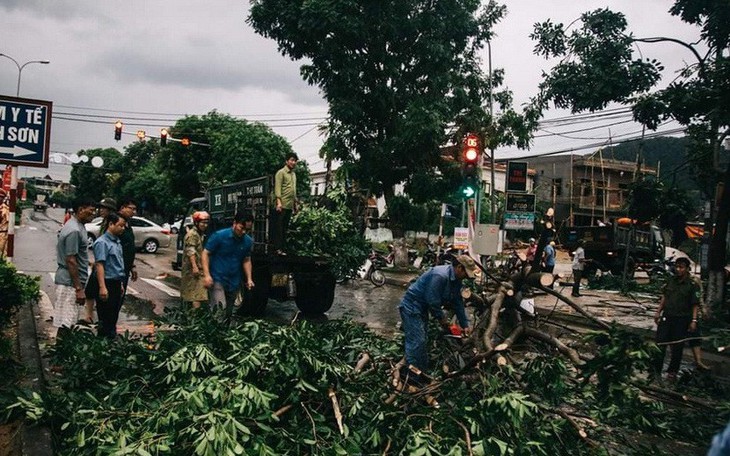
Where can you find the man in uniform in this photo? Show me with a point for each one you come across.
(676, 316)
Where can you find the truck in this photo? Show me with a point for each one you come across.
(605, 246)
(307, 280)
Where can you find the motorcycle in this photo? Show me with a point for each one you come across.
(667, 268)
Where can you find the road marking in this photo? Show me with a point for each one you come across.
(130, 290)
(163, 288)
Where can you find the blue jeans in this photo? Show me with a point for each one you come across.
(415, 327)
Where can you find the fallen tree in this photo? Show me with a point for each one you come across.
(260, 388)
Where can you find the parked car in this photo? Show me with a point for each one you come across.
(175, 227)
(148, 236)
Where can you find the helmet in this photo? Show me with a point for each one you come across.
(200, 215)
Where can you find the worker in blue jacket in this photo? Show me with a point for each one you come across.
(438, 285)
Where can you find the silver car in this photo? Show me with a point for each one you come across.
(148, 236)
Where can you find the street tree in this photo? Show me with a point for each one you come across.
(597, 67)
(95, 182)
(222, 149)
(402, 79)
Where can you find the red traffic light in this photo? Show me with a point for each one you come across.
(118, 130)
(470, 149)
(163, 136)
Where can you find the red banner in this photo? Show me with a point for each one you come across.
(6, 178)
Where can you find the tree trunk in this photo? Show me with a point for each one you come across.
(717, 258)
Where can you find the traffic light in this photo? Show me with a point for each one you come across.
(163, 137)
(469, 187)
(470, 153)
(185, 141)
(141, 135)
(118, 130)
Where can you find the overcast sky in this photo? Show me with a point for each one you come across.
(164, 59)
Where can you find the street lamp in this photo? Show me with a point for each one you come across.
(20, 68)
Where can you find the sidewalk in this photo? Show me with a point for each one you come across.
(36, 439)
(633, 312)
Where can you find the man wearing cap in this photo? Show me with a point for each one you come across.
(438, 285)
(4, 222)
(192, 286)
(106, 206)
(72, 258)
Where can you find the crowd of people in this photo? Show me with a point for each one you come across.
(213, 269)
(101, 284)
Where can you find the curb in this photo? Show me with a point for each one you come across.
(36, 439)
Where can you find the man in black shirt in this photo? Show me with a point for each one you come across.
(127, 209)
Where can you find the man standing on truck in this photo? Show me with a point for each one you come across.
(285, 202)
(225, 259)
(676, 315)
(437, 285)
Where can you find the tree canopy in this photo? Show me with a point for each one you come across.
(598, 67)
(163, 179)
(401, 78)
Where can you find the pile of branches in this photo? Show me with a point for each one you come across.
(256, 387)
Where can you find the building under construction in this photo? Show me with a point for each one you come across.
(586, 189)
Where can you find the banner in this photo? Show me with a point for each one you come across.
(6, 178)
(519, 220)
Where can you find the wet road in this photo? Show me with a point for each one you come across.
(158, 285)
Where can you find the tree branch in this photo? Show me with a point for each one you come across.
(562, 348)
(575, 306)
(660, 39)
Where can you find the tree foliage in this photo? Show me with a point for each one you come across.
(92, 182)
(396, 75)
(597, 67)
(205, 388)
(163, 179)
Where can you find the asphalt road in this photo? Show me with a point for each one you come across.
(158, 285)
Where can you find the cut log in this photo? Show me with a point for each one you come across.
(562, 348)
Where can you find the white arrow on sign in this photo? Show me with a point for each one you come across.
(16, 151)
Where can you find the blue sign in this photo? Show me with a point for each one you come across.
(25, 131)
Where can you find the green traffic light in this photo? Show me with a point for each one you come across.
(468, 192)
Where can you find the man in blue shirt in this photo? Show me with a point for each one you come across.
(226, 257)
(436, 286)
(110, 275)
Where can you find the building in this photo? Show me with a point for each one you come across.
(47, 186)
(585, 189)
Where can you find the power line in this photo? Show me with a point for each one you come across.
(595, 145)
(161, 125)
(562, 133)
(116, 117)
(151, 113)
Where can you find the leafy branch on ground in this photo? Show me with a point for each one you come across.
(260, 388)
